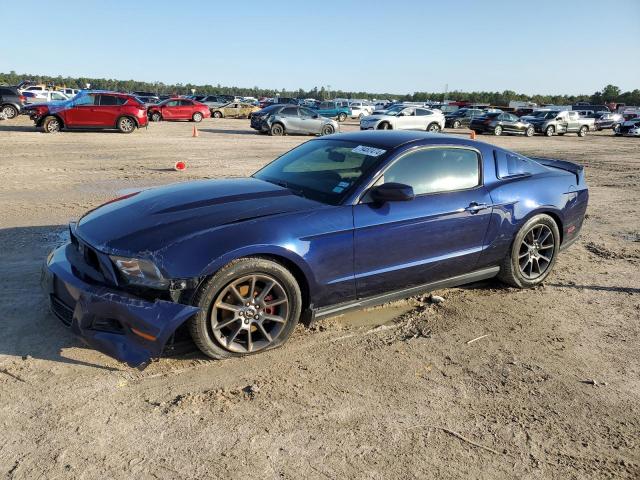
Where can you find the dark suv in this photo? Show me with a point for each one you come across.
(461, 117)
(11, 101)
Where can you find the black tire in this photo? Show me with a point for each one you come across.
(156, 117)
(126, 125)
(342, 117)
(9, 111)
(277, 130)
(327, 130)
(217, 114)
(511, 270)
(433, 127)
(456, 124)
(529, 132)
(205, 325)
(582, 132)
(197, 117)
(497, 131)
(51, 124)
(384, 126)
(550, 130)
(614, 126)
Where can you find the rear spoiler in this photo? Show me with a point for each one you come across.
(577, 170)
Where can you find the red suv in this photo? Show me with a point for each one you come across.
(90, 109)
(179, 109)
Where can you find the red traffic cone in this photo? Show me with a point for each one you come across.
(472, 135)
(195, 132)
(180, 166)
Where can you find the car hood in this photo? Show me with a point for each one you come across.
(150, 220)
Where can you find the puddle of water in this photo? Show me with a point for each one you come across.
(375, 316)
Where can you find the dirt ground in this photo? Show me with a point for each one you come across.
(551, 391)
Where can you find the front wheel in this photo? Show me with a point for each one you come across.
(327, 130)
(583, 131)
(217, 114)
(550, 131)
(126, 125)
(433, 128)
(384, 126)
(250, 305)
(533, 253)
(277, 130)
(156, 117)
(529, 132)
(51, 124)
(497, 131)
(197, 117)
(342, 117)
(457, 124)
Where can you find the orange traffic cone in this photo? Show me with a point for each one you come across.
(472, 136)
(195, 132)
(179, 166)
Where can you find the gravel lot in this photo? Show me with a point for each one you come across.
(552, 391)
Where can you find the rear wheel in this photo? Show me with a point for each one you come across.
(342, 117)
(550, 131)
(327, 130)
(277, 130)
(51, 124)
(249, 306)
(433, 127)
(457, 124)
(497, 131)
(197, 117)
(533, 253)
(9, 111)
(126, 124)
(583, 131)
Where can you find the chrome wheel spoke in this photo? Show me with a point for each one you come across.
(225, 324)
(275, 303)
(265, 291)
(236, 293)
(274, 318)
(228, 306)
(249, 341)
(266, 334)
(233, 336)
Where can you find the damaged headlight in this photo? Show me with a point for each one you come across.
(140, 272)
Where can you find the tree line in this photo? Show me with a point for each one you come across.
(610, 93)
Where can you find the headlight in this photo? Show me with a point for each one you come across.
(140, 272)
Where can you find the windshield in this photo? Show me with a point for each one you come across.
(323, 170)
(544, 114)
(393, 111)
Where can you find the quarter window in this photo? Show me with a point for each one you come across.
(434, 170)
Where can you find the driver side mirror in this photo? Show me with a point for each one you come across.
(558, 119)
(392, 192)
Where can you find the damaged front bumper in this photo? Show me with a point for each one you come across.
(130, 329)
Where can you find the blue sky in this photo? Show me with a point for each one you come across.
(397, 46)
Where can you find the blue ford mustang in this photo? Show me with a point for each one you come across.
(343, 221)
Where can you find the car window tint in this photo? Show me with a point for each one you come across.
(289, 112)
(5, 91)
(109, 100)
(172, 103)
(86, 100)
(306, 112)
(434, 170)
(512, 165)
(326, 105)
(186, 103)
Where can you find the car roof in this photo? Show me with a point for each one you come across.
(396, 138)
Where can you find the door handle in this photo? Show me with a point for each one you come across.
(475, 207)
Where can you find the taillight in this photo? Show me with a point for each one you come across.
(22, 98)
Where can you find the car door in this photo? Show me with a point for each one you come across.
(82, 112)
(107, 109)
(185, 109)
(170, 110)
(310, 121)
(437, 235)
(515, 124)
(406, 119)
(291, 119)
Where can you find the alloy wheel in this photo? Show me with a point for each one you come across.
(126, 125)
(10, 112)
(53, 126)
(536, 251)
(250, 313)
(498, 130)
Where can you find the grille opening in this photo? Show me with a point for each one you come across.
(109, 325)
(61, 310)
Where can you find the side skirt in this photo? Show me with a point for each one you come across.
(361, 303)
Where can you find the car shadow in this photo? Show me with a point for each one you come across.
(597, 288)
(230, 132)
(17, 128)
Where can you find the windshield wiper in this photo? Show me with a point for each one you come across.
(284, 184)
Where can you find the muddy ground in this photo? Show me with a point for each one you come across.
(551, 391)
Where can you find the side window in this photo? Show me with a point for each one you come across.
(57, 96)
(108, 100)
(435, 170)
(186, 103)
(306, 112)
(326, 106)
(86, 100)
(511, 165)
(421, 112)
(289, 112)
(172, 103)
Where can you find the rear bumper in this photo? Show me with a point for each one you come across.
(128, 328)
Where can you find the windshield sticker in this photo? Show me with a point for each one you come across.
(369, 151)
(343, 184)
(338, 189)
